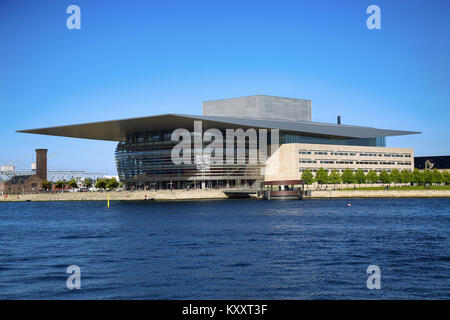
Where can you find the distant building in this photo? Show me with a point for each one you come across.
(111, 177)
(8, 168)
(441, 163)
(23, 184)
(29, 183)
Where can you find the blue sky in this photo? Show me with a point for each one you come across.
(140, 58)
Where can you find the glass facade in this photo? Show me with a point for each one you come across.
(368, 142)
(145, 159)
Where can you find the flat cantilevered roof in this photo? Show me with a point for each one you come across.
(117, 130)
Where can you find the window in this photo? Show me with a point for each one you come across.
(310, 169)
(297, 138)
(368, 154)
(307, 161)
(344, 162)
(140, 137)
(339, 153)
(366, 162)
(154, 136)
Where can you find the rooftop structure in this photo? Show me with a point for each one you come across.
(260, 107)
(118, 130)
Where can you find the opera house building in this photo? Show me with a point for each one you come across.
(144, 145)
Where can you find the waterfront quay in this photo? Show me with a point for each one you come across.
(211, 194)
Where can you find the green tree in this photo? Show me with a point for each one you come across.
(446, 177)
(384, 177)
(427, 177)
(396, 176)
(437, 176)
(348, 176)
(417, 177)
(112, 184)
(46, 185)
(60, 184)
(100, 184)
(335, 177)
(307, 177)
(87, 183)
(322, 176)
(405, 176)
(360, 177)
(72, 183)
(372, 176)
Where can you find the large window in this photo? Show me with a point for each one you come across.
(369, 142)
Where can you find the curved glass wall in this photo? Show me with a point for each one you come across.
(145, 159)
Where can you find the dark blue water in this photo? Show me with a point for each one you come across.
(243, 249)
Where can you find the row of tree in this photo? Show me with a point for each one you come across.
(395, 176)
(110, 184)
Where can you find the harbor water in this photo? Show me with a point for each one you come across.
(227, 249)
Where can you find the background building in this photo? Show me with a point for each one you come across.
(441, 163)
(143, 154)
(29, 183)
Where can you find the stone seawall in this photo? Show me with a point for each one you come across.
(214, 194)
(122, 196)
(382, 194)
